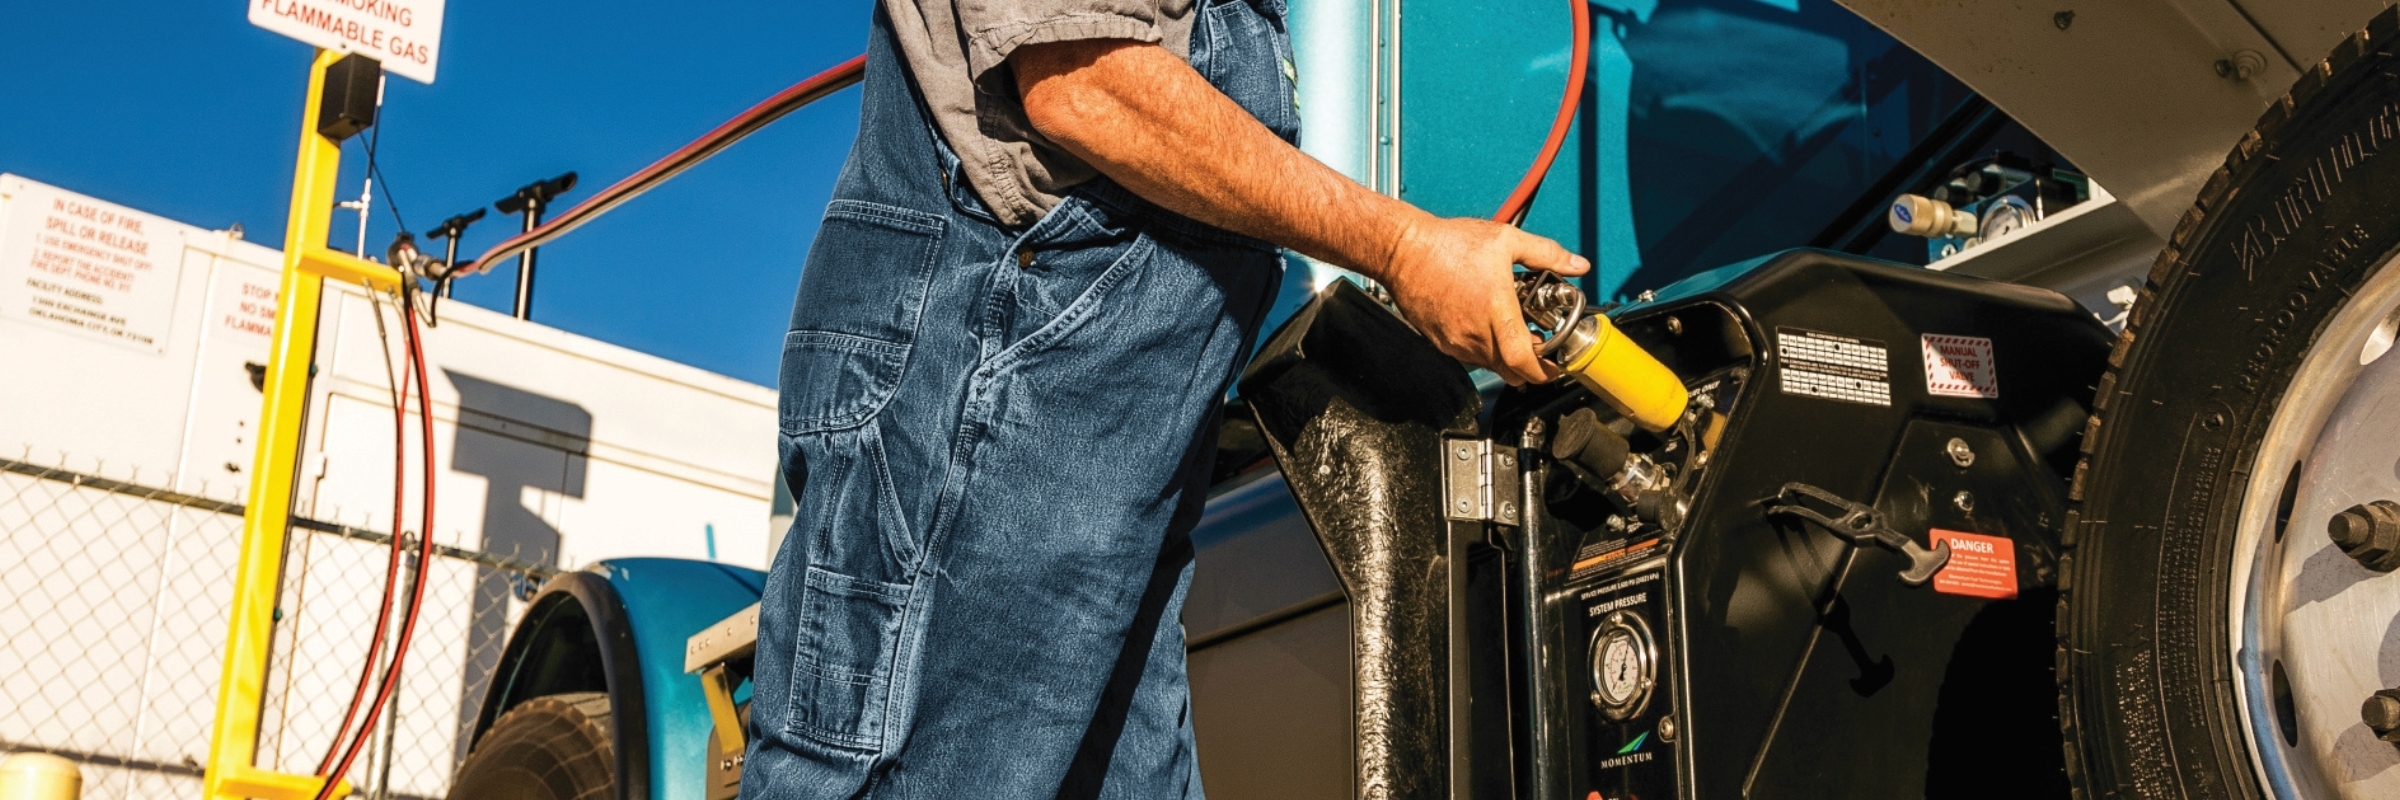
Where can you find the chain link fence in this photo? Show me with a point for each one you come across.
(113, 605)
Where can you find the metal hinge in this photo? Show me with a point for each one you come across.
(1480, 482)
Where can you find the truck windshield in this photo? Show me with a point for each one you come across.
(1757, 125)
(1710, 131)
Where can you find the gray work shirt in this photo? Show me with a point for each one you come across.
(956, 51)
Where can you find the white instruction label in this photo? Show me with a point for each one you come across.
(1960, 366)
(1819, 364)
(74, 263)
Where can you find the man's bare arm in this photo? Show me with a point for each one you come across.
(1144, 118)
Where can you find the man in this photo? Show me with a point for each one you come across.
(1050, 249)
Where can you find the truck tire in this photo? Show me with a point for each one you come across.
(2191, 662)
(556, 747)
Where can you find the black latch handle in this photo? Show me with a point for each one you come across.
(1861, 526)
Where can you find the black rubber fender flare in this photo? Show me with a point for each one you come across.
(578, 615)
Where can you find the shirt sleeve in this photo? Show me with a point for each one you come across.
(993, 29)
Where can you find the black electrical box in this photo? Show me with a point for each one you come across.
(352, 86)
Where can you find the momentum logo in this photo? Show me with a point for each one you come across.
(1630, 754)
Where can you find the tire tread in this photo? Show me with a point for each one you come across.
(2168, 273)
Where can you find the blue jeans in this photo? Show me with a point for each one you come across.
(999, 441)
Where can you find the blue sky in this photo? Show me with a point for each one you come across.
(186, 110)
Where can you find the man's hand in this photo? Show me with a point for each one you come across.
(1451, 278)
(1145, 119)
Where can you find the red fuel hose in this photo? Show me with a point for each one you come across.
(1512, 211)
(391, 570)
(815, 88)
(416, 594)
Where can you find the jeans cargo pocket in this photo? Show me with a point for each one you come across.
(857, 312)
(842, 670)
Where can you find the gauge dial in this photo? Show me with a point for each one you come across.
(1620, 667)
(2005, 216)
(1624, 665)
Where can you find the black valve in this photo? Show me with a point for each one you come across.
(451, 230)
(455, 225)
(536, 195)
(531, 200)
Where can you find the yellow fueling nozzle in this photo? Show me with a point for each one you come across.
(1589, 347)
(1623, 374)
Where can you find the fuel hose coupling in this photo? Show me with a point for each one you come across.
(1590, 348)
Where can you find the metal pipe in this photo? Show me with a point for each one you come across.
(391, 715)
(1538, 630)
(530, 201)
(449, 261)
(533, 219)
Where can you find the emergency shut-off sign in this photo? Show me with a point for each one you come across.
(406, 35)
(70, 262)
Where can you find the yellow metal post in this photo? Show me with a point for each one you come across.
(233, 741)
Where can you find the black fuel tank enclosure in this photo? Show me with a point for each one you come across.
(1747, 655)
(1791, 665)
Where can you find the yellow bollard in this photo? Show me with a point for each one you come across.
(39, 776)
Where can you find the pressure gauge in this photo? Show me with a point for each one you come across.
(1624, 665)
(2004, 216)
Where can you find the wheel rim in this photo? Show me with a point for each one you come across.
(2315, 631)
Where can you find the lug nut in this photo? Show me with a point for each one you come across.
(2382, 714)
(2369, 533)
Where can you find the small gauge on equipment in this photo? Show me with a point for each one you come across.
(2004, 216)
(1624, 665)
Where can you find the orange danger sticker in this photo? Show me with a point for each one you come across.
(1980, 566)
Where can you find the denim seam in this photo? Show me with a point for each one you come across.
(841, 585)
(804, 665)
(900, 538)
(836, 675)
(828, 738)
(975, 411)
(1069, 219)
(848, 342)
(906, 218)
(899, 693)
